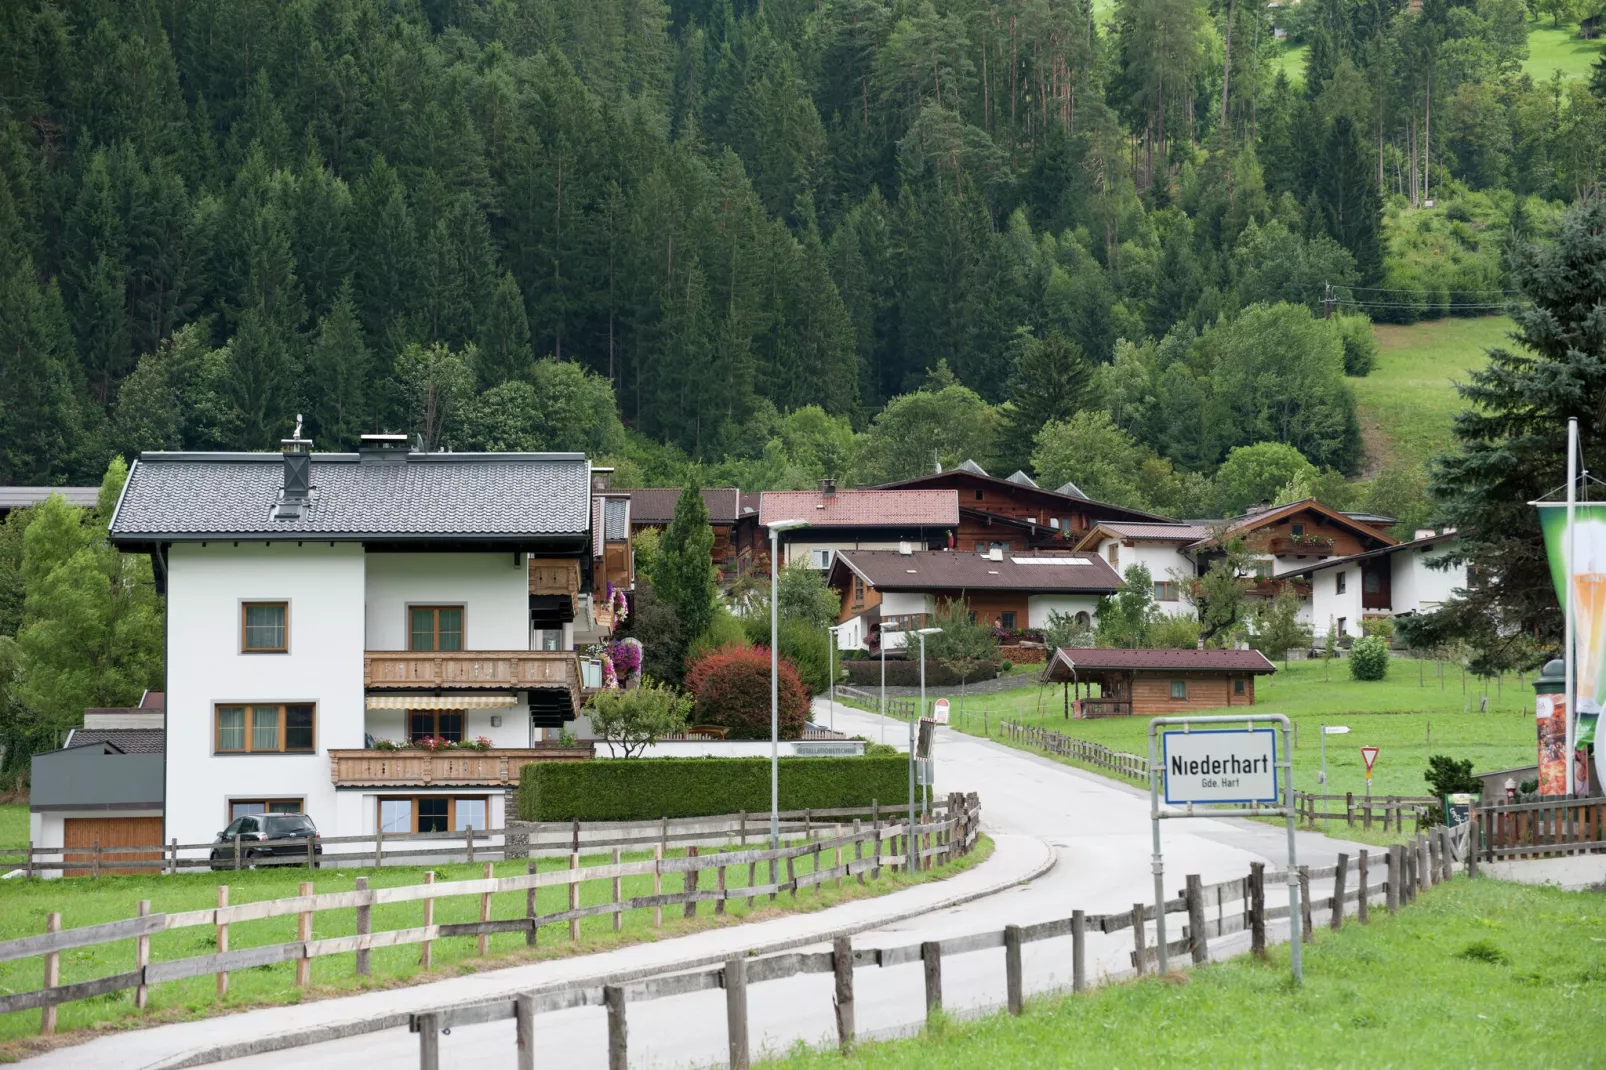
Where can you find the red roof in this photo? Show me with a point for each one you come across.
(862, 508)
(1068, 661)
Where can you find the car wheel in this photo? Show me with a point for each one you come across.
(251, 859)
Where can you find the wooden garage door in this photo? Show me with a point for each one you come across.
(113, 832)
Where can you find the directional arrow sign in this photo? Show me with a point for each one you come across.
(1368, 755)
(1336, 729)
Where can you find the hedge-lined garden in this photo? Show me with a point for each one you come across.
(642, 789)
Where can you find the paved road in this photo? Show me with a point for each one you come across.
(1098, 832)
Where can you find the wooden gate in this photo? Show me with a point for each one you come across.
(85, 832)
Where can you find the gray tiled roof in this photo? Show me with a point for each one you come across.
(127, 740)
(18, 497)
(178, 495)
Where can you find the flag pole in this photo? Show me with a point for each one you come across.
(1570, 692)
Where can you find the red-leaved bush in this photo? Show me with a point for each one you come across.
(732, 685)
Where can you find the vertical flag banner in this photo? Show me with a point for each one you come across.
(1587, 578)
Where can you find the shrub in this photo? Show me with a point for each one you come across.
(1450, 776)
(804, 646)
(1383, 626)
(630, 721)
(1360, 346)
(732, 689)
(724, 630)
(905, 672)
(1174, 632)
(1369, 658)
(649, 788)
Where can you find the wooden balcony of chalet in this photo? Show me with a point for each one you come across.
(1288, 546)
(496, 768)
(474, 670)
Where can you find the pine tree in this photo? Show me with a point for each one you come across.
(1052, 380)
(503, 336)
(1346, 192)
(683, 574)
(339, 377)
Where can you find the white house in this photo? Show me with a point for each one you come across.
(1163, 549)
(318, 604)
(1395, 581)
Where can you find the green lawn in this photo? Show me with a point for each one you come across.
(1291, 58)
(13, 824)
(1409, 716)
(85, 902)
(1407, 403)
(1474, 974)
(1559, 49)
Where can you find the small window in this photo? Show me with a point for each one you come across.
(1343, 628)
(1165, 591)
(980, 496)
(1338, 583)
(1262, 570)
(264, 627)
(435, 628)
(1007, 621)
(1238, 687)
(433, 813)
(549, 639)
(1179, 689)
(1083, 620)
(858, 590)
(1371, 582)
(820, 558)
(1296, 530)
(435, 724)
(395, 815)
(281, 729)
(1113, 554)
(239, 808)
(1054, 522)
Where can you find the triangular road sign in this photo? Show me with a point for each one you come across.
(1368, 755)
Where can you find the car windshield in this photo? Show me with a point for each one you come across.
(277, 827)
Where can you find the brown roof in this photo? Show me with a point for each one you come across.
(862, 508)
(1269, 516)
(947, 570)
(656, 505)
(971, 474)
(1067, 661)
(1159, 532)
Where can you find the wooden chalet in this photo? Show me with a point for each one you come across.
(654, 508)
(1154, 682)
(1015, 513)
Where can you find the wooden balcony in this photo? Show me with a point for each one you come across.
(555, 575)
(473, 670)
(1106, 707)
(1287, 547)
(448, 768)
(1270, 587)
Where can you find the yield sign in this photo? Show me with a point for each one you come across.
(1368, 755)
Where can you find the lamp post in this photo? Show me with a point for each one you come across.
(775, 681)
(914, 723)
(831, 639)
(884, 630)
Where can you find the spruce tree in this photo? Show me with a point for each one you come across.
(683, 575)
(339, 377)
(1346, 192)
(1052, 380)
(504, 335)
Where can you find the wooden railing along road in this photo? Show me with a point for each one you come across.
(860, 854)
(1408, 869)
(1550, 828)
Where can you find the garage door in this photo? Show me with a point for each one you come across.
(85, 832)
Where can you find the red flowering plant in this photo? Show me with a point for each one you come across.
(732, 689)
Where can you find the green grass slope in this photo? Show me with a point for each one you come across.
(1406, 405)
(1552, 49)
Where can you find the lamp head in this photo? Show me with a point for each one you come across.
(928, 631)
(788, 525)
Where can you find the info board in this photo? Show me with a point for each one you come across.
(1220, 765)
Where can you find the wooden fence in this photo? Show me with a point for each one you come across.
(1549, 828)
(1363, 809)
(904, 709)
(519, 840)
(1134, 766)
(1407, 869)
(860, 854)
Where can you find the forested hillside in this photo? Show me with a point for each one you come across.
(733, 232)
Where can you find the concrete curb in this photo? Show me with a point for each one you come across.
(339, 1030)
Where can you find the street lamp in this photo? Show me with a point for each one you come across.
(896, 631)
(831, 640)
(775, 681)
(913, 726)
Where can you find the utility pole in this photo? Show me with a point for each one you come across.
(1327, 300)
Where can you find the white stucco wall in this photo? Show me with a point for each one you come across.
(1162, 559)
(799, 549)
(493, 590)
(1417, 588)
(323, 585)
(1039, 606)
(1327, 605)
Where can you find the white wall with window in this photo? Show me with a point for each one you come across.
(256, 698)
(1335, 603)
(1165, 562)
(1040, 606)
(459, 601)
(820, 554)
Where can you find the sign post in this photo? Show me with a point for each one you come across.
(1368, 755)
(939, 711)
(1219, 766)
(1329, 730)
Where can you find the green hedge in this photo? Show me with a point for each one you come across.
(641, 789)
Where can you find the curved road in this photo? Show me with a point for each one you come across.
(1098, 834)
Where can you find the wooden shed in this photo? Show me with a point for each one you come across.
(1153, 682)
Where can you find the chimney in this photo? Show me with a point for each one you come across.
(600, 479)
(297, 475)
(382, 449)
(828, 488)
(1423, 533)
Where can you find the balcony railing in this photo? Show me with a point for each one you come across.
(1289, 547)
(1106, 707)
(451, 768)
(473, 670)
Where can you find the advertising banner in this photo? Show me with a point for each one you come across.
(1586, 576)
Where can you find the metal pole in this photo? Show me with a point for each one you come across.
(1323, 730)
(883, 685)
(1570, 695)
(830, 666)
(1158, 860)
(775, 695)
(914, 727)
(1293, 865)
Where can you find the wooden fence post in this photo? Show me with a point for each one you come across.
(524, 1030)
(1433, 858)
(842, 969)
(613, 997)
(1078, 951)
(791, 877)
(530, 910)
(1257, 909)
(1198, 940)
(303, 935)
(1349, 808)
(1336, 921)
(142, 958)
(1446, 856)
(1408, 873)
(96, 874)
(429, 1042)
(1012, 969)
(691, 883)
(482, 943)
(1137, 939)
(379, 847)
(365, 926)
(574, 888)
(858, 849)
(468, 841)
(236, 852)
(734, 977)
(222, 940)
(29, 863)
(1475, 843)
(425, 949)
(312, 854)
(1361, 905)
(172, 854)
(931, 958)
(47, 1016)
(619, 894)
(719, 885)
(658, 885)
(1304, 903)
(1391, 887)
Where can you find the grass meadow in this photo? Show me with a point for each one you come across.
(1559, 49)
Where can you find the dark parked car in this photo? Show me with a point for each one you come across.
(267, 836)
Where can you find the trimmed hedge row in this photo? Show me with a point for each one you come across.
(642, 789)
(906, 673)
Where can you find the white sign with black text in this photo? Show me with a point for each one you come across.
(1237, 765)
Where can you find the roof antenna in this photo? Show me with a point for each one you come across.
(936, 464)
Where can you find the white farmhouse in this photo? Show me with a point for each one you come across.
(318, 604)
(1395, 581)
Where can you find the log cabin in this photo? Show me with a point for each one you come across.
(1155, 682)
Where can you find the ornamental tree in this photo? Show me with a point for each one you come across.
(732, 689)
